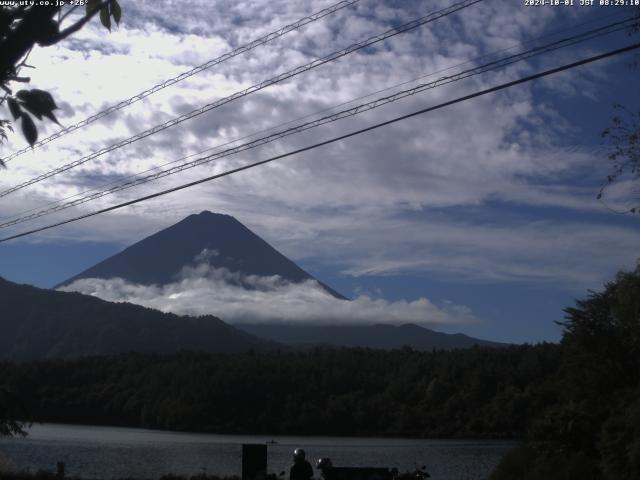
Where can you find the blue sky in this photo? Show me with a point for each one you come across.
(486, 208)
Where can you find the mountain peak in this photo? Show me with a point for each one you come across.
(160, 258)
(209, 215)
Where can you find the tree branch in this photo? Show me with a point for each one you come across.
(19, 41)
(67, 14)
(76, 26)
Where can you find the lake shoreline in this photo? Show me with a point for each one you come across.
(50, 475)
(99, 452)
(479, 438)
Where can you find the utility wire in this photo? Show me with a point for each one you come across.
(501, 63)
(272, 81)
(137, 180)
(21, 215)
(200, 68)
(502, 86)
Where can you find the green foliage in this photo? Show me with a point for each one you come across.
(37, 102)
(29, 129)
(624, 140)
(9, 407)
(22, 27)
(592, 430)
(4, 126)
(602, 335)
(619, 442)
(107, 10)
(115, 11)
(479, 392)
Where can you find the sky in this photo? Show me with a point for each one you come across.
(482, 216)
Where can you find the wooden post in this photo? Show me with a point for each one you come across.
(254, 461)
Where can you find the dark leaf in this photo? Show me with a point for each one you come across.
(37, 96)
(14, 108)
(23, 94)
(38, 102)
(29, 129)
(47, 32)
(91, 5)
(33, 111)
(51, 117)
(105, 17)
(44, 99)
(116, 11)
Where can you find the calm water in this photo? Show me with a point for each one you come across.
(110, 452)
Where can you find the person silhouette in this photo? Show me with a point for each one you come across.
(301, 468)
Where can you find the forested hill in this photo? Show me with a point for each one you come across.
(478, 392)
(386, 337)
(38, 323)
(577, 404)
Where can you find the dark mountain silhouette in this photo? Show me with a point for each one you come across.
(223, 242)
(387, 337)
(38, 323)
(158, 259)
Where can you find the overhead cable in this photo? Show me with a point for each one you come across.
(65, 200)
(200, 68)
(356, 110)
(502, 86)
(272, 81)
(491, 66)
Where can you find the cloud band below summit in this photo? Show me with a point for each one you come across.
(239, 298)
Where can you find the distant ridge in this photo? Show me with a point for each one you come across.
(386, 337)
(37, 323)
(158, 259)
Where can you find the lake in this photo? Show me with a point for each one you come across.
(112, 452)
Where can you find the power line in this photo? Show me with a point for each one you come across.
(200, 68)
(272, 81)
(60, 205)
(500, 63)
(335, 139)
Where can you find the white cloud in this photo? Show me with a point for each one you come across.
(338, 204)
(238, 298)
(470, 248)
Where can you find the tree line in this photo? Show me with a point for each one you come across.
(576, 404)
(592, 429)
(480, 392)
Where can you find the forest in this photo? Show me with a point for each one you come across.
(576, 404)
(476, 392)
